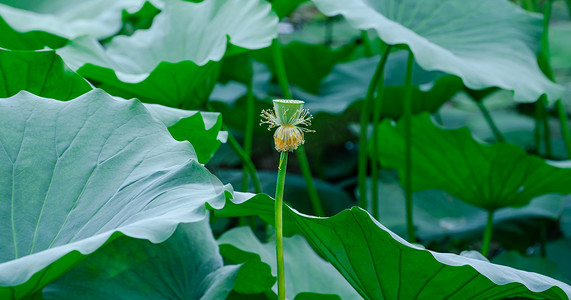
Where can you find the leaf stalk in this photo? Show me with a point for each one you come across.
(279, 224)
(488, 234)
(377, 109)
(407, 114)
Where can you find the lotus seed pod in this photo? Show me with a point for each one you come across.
(288, 111)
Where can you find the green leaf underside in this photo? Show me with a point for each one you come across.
(284, 8)
(33, 40)
(42, 73)
(106, 168)
(68, 18)
(201, 129)
(173, 62)
(487, 176)
(186, 266)
(180, 85)
(438, 215)
(305, 271)
(486, 43)
(381, 265)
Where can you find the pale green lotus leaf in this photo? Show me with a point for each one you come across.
(486, 43)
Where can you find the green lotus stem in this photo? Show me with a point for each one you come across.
(246, 161)
(290, 119)
(546, 130)
(537, 130)
(279, 67)
(313, 196)
(542, 122)
(363, 140)
(248, 132)
(545, 64)
(279, 224)
(407, 114)
(328, 31)
(244, 157)
(377, 107)
(562, 114)
(366, 43)
(488, 234)
(569, 7)
(301, 155)
(543, 237)
(497, 133)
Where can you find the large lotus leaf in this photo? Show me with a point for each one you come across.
(381, 265)
(201, 129)
(173, 62)
(305, 271)
(438, 215)
(515, 127)
(11, 39)
(237, 68)
(487, 176)
(180, 85)
(68, 18)
(42, 73)
(295, 192)
(77, 174)
(186, 266)
(348, 83)
(558, 251)
(559, 45)
(486, 43)
(535, 264)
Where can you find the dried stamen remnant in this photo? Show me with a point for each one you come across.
(287, 115)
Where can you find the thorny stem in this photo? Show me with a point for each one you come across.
(302, 156)
(363, 147)
(497, 133)
(378, 105)
(488, 234)
(407, 114)
(279, 224)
